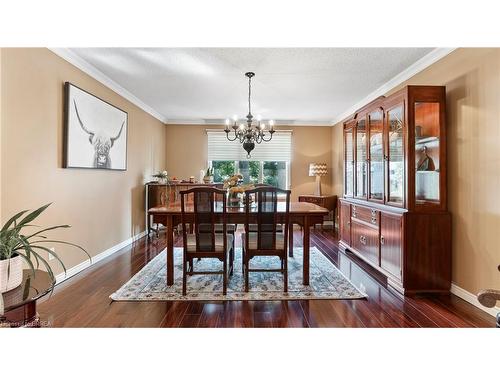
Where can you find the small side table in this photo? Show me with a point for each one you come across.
(327, 201)
(19, 304)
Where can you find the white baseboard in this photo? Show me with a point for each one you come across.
(472, 299)
(97, 258)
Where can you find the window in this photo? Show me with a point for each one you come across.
(270, 162)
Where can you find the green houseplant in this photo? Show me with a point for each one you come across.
(209, 176)
(16, 245)
(161, 176)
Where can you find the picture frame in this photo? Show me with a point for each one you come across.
(95, 132)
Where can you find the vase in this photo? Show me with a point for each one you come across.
(233, 199)
(11, 278)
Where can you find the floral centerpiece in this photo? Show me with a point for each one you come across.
(235, 189)
(161, 176)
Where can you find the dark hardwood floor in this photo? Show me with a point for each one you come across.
(83, 301)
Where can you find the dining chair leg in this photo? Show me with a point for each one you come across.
(243, 261)
(231, 261)
(285, 274)
(247, 272)
(184, 275)
(224, 276)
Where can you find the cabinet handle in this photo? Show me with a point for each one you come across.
(362, 239)
(382, 240)
(374, 220)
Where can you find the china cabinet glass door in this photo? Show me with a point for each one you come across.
(349, 163)
(427, 137)
(375, 125)
(361, 157)
(395, 125)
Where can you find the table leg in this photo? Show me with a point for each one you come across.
(148, 223)
(333, 220)
(290, 240)
(305, 238)
(170, 251)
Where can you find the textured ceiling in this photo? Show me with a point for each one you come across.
(291, 84)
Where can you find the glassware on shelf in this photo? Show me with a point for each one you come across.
(427, 149)
(361, 156)
(349, 163)
(375, 120)
(396, 154)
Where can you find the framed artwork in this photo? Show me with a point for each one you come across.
(95, 132)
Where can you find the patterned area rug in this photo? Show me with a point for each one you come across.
(326, 281)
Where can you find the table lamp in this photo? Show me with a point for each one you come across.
(317, 170)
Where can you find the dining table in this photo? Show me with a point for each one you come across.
(302, 213)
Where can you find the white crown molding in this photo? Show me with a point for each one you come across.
(97, 258)
(472, 299)
(221, 122)
(426, 61)
(95, 73)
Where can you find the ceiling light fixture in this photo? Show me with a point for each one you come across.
(249, 134)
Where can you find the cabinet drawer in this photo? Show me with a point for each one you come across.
(366, 214)
(365, 239)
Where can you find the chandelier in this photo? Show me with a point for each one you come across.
(249, 134)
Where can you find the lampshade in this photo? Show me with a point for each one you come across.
(317, 169)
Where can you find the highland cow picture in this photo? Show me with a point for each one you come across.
(95, 132)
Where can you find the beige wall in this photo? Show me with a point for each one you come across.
(472, 80)
(187, 153)
(103, 207)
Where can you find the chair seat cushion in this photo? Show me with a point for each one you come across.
(206, 242)
(266, 241)
(254, 227)
(230, 228)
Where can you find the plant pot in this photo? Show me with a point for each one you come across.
(208, 179)
(10, 279)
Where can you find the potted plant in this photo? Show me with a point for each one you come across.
(209, 176)
(16, 246)
(161, 176)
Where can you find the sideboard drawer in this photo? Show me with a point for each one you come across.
(365, 239)
(315, 200)
(366, 214)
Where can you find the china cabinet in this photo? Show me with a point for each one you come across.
(393, 213)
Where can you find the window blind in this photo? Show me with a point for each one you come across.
(278, 149)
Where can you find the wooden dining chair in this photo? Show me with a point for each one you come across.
(252, 226)
(206, 209)
(266, 241)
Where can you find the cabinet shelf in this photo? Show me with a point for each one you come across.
(424, 140)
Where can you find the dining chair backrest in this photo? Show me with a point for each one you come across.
(206, 205)
(265, 210)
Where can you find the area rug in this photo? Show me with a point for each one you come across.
(326, 281)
